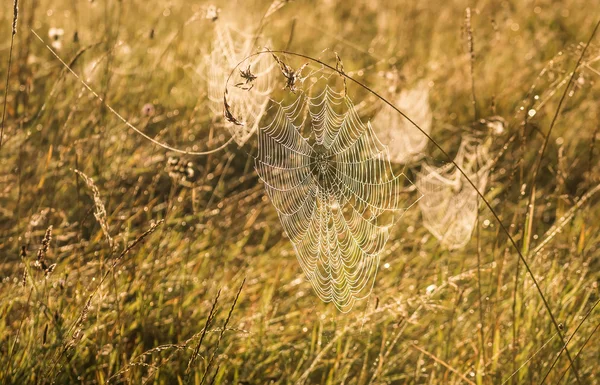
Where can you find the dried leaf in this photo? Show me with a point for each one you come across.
(227, 112)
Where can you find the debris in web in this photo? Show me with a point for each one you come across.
(335, 191)
(450, 204)
(246, 101)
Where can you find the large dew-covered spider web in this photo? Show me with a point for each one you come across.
(450, 204)
(335, 191)
(405, 142)
(250, 87)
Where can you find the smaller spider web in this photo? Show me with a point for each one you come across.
(450, 205)
(335, 191)
(248, 99)
(406, 143)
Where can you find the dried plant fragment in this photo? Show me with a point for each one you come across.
(247, 97)
(227, 112)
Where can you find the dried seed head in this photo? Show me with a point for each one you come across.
(40, 261)
(339, 66)
(23, 255)
(100, 212)
(78, 333)
(15, 16)
(49, 270)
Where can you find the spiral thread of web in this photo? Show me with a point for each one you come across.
(449, 205)
(335, 192)
(248, 99)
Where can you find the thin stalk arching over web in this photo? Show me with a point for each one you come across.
(479, 193)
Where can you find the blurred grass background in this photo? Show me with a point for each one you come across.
(434, 317)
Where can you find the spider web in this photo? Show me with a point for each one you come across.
(335, 192)
(249, 99)
(450, 204)
(405, 142)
